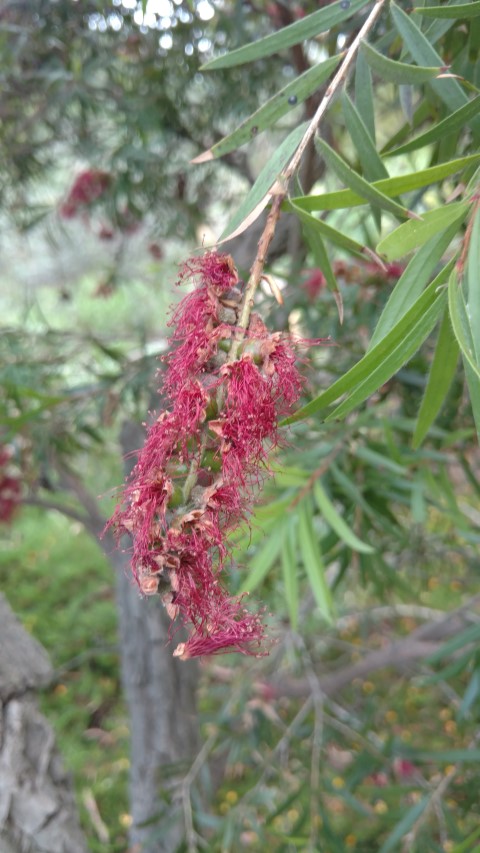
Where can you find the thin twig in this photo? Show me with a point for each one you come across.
(280, 189)
(435, 799)
(200, 759)
(57, 507)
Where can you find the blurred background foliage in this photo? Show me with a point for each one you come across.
(360, 730)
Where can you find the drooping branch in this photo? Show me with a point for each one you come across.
(280, 189)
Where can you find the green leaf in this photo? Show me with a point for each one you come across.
(456, 121)
(313, 561)
(416, 232)
(458, 12)
(474, 392)
(287, 476)
(399, 356)
(259, 195)
(325, 230)
(390, 187)
(440, 378)
(305, 28)
(404, 825)
(364, 94)
(395, 349)
(350, 489)
(357, 183)
(405, 93)
(447, 756)
(272, 510)
(397, 72)
(264, 559)
(471, 695)
(449, 91)
(371, 162)
(465, 334)
(466, 846)
(290, 576)
(322, 260)
(412, 281)
(472, 281)
(337, 523)
(459, 641)
(274, 109)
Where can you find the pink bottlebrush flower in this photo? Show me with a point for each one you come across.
(314, 284)
(196, 324)
(249, 419)
(232, 629)
(403, 769)
(279, 363)
(204, 456)
(395, 270)
(190, 409)
(214, 270)
(10, 486)
(87, 187)
(391, 272)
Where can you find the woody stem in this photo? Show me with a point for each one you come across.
(279, 191)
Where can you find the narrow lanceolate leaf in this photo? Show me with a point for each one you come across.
(399, 356)
(262, 190)
(404, 825)
(370, 160)
(415, 233)
(364, 94)
(406, 95)
(390, 348)
(327, 231)
(465, 333)
(449, 91)
(313, 561)
(281, 103)
(337, 523)
(305, 28)
(398, 72)
(390, 186)
(472, 280)
(264, 559)
(290, 576)
(317, 246)
(413, 280)
(458, 12)
(440, 378)
(456, 121)
(358, 184)
(473, 383)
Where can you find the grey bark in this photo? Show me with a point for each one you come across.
(160, 693)
(37, 805)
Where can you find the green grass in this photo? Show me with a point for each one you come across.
(62, 588)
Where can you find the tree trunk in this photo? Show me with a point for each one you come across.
(160, 693)
(37, 805)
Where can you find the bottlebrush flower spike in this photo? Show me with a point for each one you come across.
(10, 486)
(87, 187)
(203, 458)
